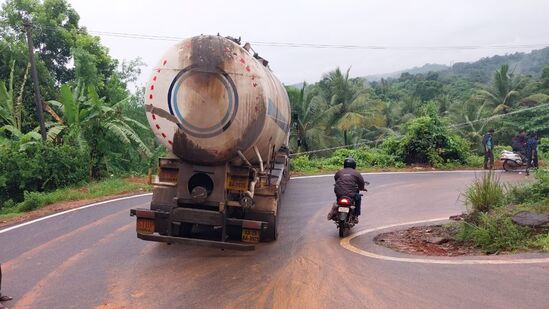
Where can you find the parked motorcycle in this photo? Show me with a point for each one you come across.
(513, 161)
(344, 215)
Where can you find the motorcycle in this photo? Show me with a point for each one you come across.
(513, 161)
(344, 216)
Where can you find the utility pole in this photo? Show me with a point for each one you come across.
(37, 96)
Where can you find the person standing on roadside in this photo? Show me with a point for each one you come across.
(488, 143)
(532, 151)
(3, 298)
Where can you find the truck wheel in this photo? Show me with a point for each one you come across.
(285, 179)
(271, 233)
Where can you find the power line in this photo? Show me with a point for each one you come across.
(497, 116)
(324, 46)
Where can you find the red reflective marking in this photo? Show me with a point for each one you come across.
(154, 116)
(253, 77)
(254, 84)
(158, 70)
(158, 127)
(170, 142)
(242, 60)
(150, 96)
(248, 68)
(154, 78)
(152, 87)
(163, 135)
(165, 61)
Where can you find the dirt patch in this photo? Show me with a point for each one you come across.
(433, 240)
(58, 207)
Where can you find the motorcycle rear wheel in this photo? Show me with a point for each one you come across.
(510, 165)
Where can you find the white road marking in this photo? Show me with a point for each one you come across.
(71, 210)
(346, 243)
(394, 173)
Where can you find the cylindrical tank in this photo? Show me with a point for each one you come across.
(209, 98)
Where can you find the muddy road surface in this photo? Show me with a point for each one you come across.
(91, 258)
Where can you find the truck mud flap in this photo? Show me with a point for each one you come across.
(197, 242)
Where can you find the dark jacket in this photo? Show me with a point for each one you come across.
(348, 182)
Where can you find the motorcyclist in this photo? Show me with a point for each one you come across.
(349, 183)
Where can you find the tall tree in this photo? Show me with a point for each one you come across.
(503, 93)
(89, 121)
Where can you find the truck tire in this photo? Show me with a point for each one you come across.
(271, 233)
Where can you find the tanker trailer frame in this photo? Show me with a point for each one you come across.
(224, 119)
(250, 210)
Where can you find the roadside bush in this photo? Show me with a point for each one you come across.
(39, 167)
(301, 163)
(428, 141)
(543, 145)
(484, 194)
(474, 160)
(541, 241)
(494, 233)
(32, 201)
(533, 192)
(364, 156)
(543, 148)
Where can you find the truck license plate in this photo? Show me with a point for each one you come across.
(250, 235)
(343, 209)
(145, 226)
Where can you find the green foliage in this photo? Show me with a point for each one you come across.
(544, 145)
(365, 158)
(39, 167)
(100, 189)
(533, 192)
(494, 233)
(32, 201)
(427, 140)
(474, 160)
(489, 225)
(541, 241)
(484, 194)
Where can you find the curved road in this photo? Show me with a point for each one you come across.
(90, 258)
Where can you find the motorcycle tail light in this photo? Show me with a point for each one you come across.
(344, 201)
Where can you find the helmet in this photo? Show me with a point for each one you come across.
(349, 162)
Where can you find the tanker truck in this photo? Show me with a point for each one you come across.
(224, 119)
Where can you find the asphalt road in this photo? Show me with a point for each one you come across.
(91, 258)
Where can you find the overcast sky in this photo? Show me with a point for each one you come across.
(406, 28)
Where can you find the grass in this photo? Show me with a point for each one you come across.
(109, 187)
(484, 194)
(491, 208)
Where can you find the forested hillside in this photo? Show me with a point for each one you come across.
(434, 117)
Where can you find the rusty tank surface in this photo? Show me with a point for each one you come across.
(224, 118)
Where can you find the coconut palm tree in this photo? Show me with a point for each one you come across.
(349, 104)
(503, 93)
(308, 132)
